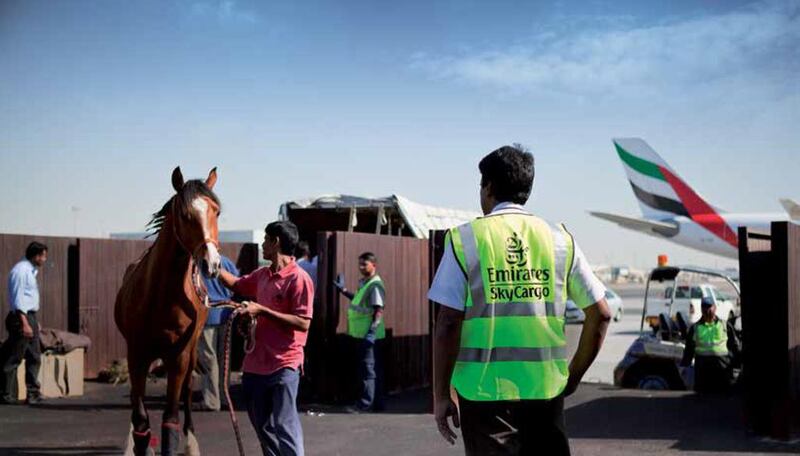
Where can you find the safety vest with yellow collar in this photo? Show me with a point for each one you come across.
(360, 313)
(711, 339)
(512, 340)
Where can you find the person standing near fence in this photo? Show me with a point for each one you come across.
(365, 325)
(283, 304)
(212, 341)
(22, 326)
(713, 344)
(304, 259)
(503, 284)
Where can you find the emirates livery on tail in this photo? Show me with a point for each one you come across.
(672, 210)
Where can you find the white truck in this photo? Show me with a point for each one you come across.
(685, 299)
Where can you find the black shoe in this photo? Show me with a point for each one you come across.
(34, 400)
(9, 401)
(355, 410)
(203, 408)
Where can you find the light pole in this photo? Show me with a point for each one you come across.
(74, 210)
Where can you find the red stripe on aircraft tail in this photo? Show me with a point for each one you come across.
(700, 212)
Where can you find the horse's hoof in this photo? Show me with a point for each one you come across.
(129, 444)
(192, 448)
(170, 440)
(138, 444)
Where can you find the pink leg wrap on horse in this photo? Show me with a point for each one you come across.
(176, 426)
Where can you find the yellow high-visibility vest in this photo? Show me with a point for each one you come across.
(512, 340)
(360, 313)
(711, 339)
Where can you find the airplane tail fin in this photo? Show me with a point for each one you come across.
(657, 187)
(792, 208)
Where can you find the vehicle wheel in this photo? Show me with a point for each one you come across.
(653, 382)
(618, 315)
(653, 375)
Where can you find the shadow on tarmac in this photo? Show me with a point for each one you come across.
(47, 451)
(694, 422)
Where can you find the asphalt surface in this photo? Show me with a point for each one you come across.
(601, 419)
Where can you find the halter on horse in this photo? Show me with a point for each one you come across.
(161, 307)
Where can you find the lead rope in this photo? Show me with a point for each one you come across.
(226, 373)
(226, 379)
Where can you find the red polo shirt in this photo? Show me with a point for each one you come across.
(288, 291)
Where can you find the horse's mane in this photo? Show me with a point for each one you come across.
(191, 190)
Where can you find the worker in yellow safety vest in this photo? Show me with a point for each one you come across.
(365, 325)
(714, 345)
(502, 288)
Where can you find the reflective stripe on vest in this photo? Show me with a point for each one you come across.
(512, 339)
(360, 313)
(711, 339)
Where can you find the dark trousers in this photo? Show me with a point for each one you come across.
(272, 407)
(16, 348)
(370, 373)
(532, 427)
(712, 374)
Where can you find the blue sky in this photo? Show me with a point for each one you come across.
(100, 100)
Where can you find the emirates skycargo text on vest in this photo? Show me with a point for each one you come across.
(513, 284)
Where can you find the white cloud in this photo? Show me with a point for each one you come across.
(760, 43)
(224, 11)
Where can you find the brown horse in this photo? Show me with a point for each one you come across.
(161, 307)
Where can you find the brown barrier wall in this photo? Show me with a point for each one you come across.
(79, 284)
(52, 278)
(769, 266)
(102, 267)
(102, 264)
(403, 265)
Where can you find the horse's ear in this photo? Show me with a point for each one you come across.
(177, 179)
(212, 178)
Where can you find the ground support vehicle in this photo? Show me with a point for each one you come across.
(653, 359)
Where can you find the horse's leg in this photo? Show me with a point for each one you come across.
(140, 422)
(177, 369)
(192, 447)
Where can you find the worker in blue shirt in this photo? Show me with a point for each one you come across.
(22, 326)
(211, 346)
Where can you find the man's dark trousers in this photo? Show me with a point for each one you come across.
(371, 374)
(16, 348)
(272, 407)
(712, 374)
(531, 427)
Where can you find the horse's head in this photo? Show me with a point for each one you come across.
(195, 209)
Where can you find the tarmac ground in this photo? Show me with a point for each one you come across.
(601, 419)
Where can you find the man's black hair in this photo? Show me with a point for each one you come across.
(368, 256)
(286, 231)
(302, 250)
(510, 170)
(34, 249)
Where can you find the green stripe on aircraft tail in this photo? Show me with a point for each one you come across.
(640, 165)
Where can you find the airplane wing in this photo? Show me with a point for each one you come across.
(792, 208)
(646, 226)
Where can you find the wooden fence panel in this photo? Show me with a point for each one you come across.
(770, 270)
(102, 265)
(403, 265)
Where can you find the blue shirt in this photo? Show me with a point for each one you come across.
(23, 291)
(217, 292)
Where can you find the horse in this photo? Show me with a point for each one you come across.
(161, 308)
